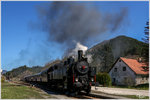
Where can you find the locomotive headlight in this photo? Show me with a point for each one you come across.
(92, 79)
(76, 79)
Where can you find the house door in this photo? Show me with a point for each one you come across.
(114, 81)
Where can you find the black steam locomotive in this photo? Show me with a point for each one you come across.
(71, 75)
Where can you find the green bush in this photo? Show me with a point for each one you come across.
(2, 79)
(103, 79)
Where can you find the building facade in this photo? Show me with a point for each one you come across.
(129, 72)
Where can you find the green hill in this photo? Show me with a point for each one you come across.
(104, 54)
(20, 72)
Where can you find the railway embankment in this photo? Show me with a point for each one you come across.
(22, 90)
(10, 90)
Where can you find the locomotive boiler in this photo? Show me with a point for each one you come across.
(71, 75)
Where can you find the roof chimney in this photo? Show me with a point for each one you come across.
(139, 59)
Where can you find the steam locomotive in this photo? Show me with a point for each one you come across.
(71, 75)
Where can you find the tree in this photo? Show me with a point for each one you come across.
(146, 31)
(104, 79)
(145, 48)
(108, 58)
(2, 78)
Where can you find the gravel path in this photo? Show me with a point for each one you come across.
(54, 95)
(121, 91)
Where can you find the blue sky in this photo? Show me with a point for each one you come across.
(22, 45)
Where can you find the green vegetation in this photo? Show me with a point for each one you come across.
(13, 91)
(139, 87)
(22, 71)
(106, 53)
(104, 79)
(146, 40)
(2, 79)
(142, 86)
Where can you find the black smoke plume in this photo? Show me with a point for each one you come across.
(72, 22)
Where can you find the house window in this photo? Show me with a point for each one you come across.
(115, 70)
(124, 68)
(145, 68)
(120, 60)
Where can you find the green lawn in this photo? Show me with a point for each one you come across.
(139, 87)
(14, 91)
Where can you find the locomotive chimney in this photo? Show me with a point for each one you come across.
(80, 54)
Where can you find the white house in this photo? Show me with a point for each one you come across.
(129, 72)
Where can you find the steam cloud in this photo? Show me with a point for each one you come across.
(32, 58)
(79, 46)
(71, 22)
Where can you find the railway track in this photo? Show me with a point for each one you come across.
(82, 95)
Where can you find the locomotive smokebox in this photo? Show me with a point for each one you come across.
(80, 54)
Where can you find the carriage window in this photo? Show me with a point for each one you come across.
(124, 68)
(65, 63)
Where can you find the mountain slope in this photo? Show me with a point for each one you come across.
(104, 54)
(3, 72)
(20, 72)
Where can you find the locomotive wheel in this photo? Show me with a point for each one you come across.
(76, 93)
(88, 91)
(64, 89)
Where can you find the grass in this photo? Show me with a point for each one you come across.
(134, 96)
(139, 87)
(14, 91)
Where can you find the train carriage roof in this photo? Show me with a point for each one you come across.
(51, 68)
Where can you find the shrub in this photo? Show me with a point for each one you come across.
(104, 79)
(2, 79)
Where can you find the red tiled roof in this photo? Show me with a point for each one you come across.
(135, 65)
